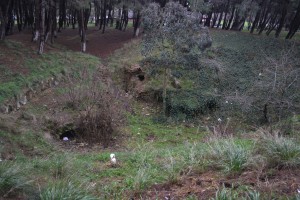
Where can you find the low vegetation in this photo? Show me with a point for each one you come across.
(209, 145)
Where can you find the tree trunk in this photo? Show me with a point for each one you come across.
(104, 16)
(265, 19)
(164, 96)
(42, 27)
(10, 18)
(283, 16)
(137, 24)
(216, 16)
(231, 18)
(225, 17)
(238, 23)
(36, 32)
(3, 18)
(207, 21)
(295, 24)
(54, 22)
(2, 27)
(220, 20)
(83, 34)
(62, 14)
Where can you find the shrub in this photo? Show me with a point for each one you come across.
(228, 155)
(66, 190)
(99, 106)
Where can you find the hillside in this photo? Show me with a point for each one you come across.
(188, 155)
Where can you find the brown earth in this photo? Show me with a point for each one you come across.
(98, 44)
(204, 186)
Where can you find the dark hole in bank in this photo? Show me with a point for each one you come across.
(70, 134)
(141, 77)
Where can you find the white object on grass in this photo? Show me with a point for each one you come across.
(113, 159)
(219, 120)
(65, 139)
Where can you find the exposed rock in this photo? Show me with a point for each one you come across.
(23, 100)
(18, 105)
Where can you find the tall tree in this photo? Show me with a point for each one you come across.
(42, 5)
(172, 37)
(4, 8)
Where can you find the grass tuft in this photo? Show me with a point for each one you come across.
(280, 151)
(228, 155)
(66, 190)
(12, 180)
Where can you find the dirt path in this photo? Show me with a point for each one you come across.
(98, 44)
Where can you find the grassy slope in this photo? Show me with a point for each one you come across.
(17, 59)
(153, 153)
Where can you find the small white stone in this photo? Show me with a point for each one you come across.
(219, 120)
(65, 139)
(113, 159)
(226, 101)
(259, 74)
(298, 190)
(112, 155)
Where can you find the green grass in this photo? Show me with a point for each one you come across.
(152, 150)
(66, 190)
(229, 155)
(13, 180)
(39, 68)
(280, 151)
(231, 194)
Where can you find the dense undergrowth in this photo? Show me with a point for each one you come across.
(153, 151)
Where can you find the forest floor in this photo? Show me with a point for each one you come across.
(156, 160)
(98, 44)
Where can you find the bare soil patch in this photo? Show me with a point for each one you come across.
(98, 44)
(203, 186)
